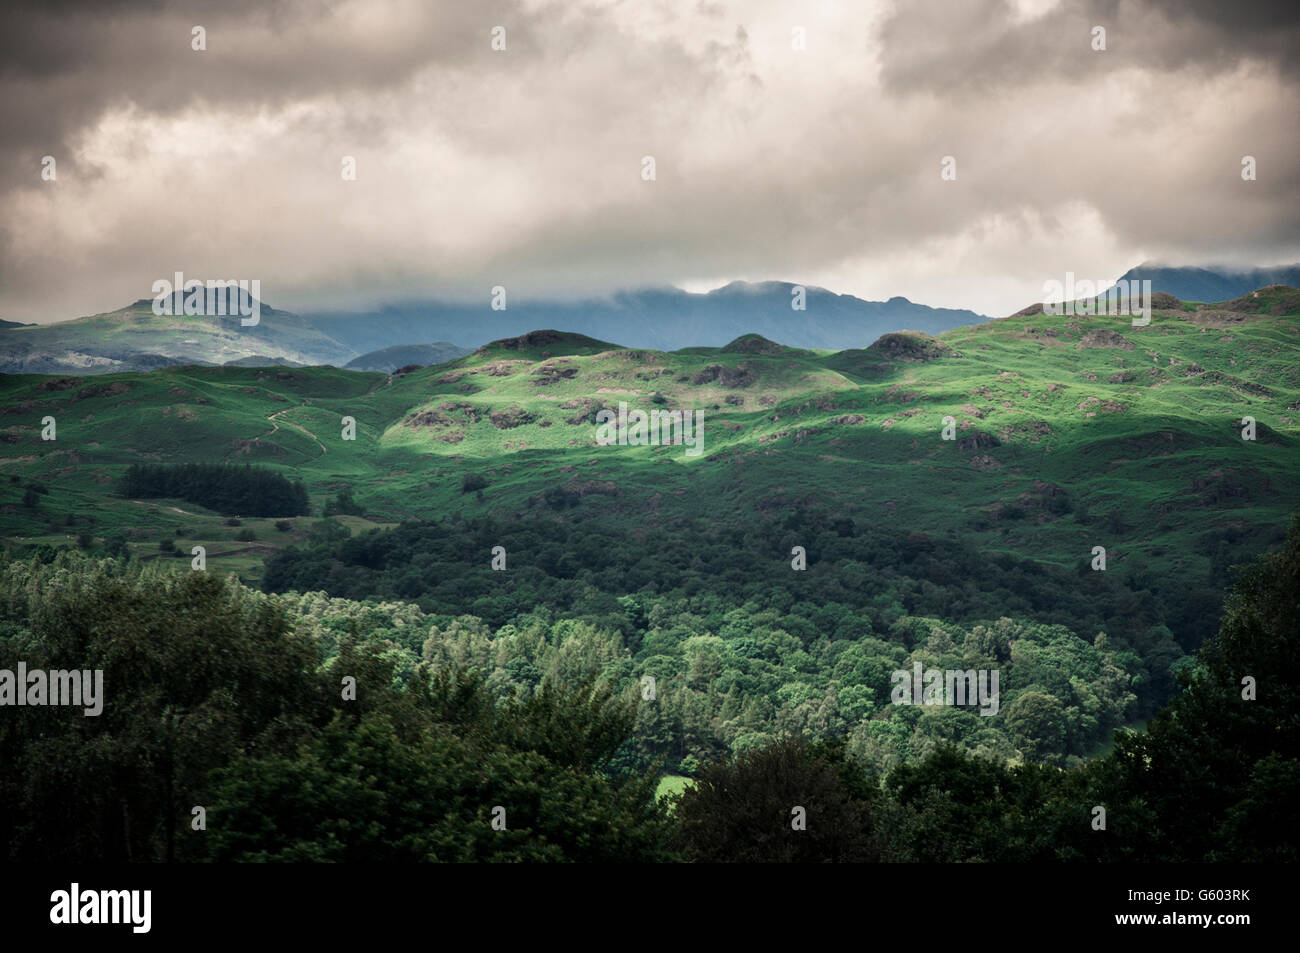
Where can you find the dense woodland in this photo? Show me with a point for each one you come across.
(226, 488)
(743, 648)
(227, 698)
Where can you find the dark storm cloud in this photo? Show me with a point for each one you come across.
(480, 168)
(65, 63)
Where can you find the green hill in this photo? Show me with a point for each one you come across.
(1068, 432)
(1061, 422)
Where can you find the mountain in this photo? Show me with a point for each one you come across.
(259, 360)
(389, 359)
(666, 319)
(134, 338)
(660, 318)
(1211, 284)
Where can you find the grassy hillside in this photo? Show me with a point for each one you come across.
(1071, 432)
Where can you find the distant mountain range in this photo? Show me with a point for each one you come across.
(390, 359)
(1211, 284)
(134, 338)
(660, 318)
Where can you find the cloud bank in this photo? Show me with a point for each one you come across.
(792, 142)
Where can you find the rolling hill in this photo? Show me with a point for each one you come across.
(1070, 432)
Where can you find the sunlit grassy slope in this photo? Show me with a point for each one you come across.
(1071, 431)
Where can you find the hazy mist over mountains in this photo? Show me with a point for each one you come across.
(428, 332)
(1211, 284)
(134, 338)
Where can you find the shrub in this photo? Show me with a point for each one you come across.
(343, 504)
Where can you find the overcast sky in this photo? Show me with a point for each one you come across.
(523, 167)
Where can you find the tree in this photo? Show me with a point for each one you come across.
(1216, 766)
(1037, 723)
(194, 672)
(746, 809)
(343, 504)
(419, 775)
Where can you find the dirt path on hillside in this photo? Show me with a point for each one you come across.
(174, 509)
(275, 426)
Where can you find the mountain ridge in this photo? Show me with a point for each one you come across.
(134, 338)
(663, 318)
(1210, 283)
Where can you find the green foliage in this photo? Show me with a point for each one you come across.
(739, 658)
(194, 672)
(748, 809)
(631, 562)
(213, 698)
(220, 696)
(1236, 759)
(343, 504)
(246, 490)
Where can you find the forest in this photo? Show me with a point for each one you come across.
(226, 488)
(742, 647)
(305, 727)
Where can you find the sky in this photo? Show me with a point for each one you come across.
(801, 142)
